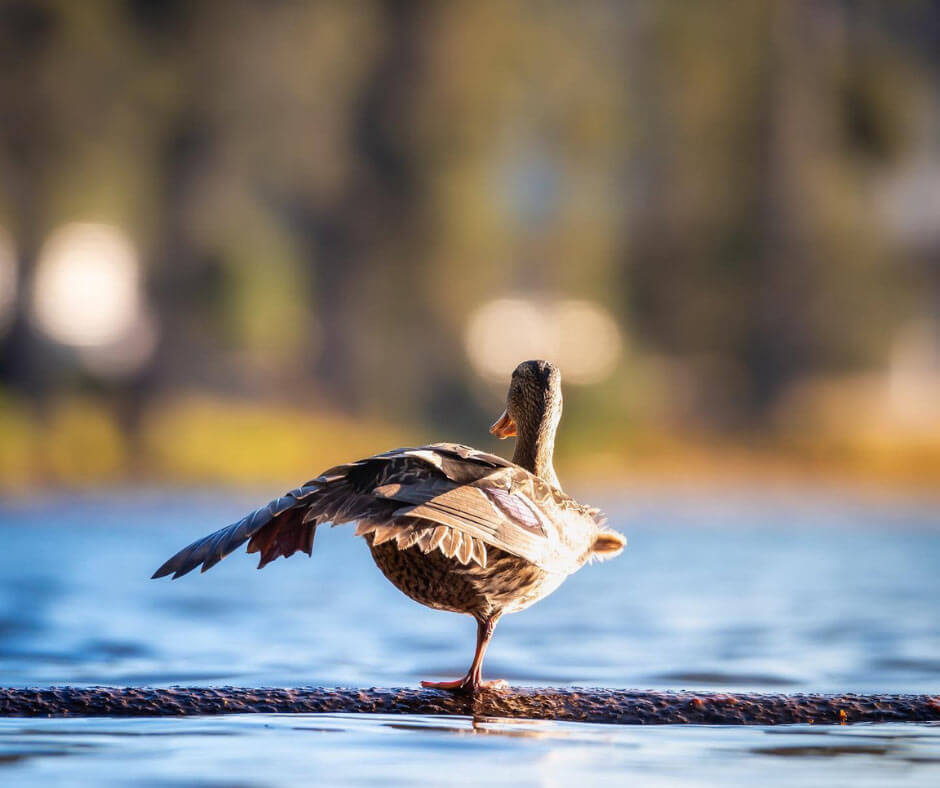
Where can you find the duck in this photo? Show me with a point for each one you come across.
(452, 527)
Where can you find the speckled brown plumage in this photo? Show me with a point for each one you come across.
(452, 527)
(507, 584)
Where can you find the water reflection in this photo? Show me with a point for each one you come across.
(364, 749)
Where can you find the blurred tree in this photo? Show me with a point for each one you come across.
(323, 192)
(748, 243)
(27, 130)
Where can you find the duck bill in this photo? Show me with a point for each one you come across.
(504, 427)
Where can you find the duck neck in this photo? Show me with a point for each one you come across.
(535, 447)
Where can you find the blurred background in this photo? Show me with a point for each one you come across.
(243, 241)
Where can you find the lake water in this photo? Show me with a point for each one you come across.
(802, 592)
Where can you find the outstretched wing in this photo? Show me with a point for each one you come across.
(443, 497)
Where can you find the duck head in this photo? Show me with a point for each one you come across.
(533, 411)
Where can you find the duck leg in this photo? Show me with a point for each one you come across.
(473, 681)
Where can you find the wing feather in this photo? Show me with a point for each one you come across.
(465, 548)
(468, 509)
(479, 552)
(449, 544)
(437, 537)
(441, 496)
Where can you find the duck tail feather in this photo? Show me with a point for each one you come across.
(608, 544)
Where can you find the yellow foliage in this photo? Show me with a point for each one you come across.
(18, 441)
(82, 442)
(196, 439)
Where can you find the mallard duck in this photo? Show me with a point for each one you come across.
(452, 527)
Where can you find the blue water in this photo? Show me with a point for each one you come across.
(806, 591)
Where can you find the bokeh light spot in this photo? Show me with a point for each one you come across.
(580, 336)
(87, 287)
